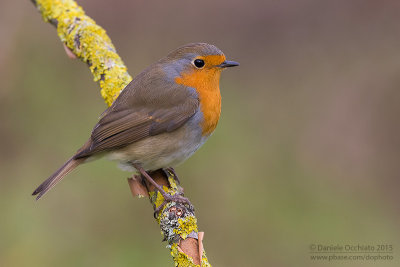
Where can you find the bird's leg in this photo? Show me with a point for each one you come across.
(167, 197)
(168, 171)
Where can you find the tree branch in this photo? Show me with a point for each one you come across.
(85, 40)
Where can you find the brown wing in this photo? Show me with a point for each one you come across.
(143, 109)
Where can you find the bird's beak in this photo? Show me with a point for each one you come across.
(227, 64)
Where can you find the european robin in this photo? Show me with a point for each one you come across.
(160, 118)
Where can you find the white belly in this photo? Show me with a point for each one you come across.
(160, 151)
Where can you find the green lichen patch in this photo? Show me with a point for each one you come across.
(173, 184)
(186, 226)
(204, 260)
(181, 259)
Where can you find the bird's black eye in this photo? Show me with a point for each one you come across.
(199, 63)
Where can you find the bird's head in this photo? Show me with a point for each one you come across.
(196, 65)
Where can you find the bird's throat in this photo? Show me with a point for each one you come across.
(206, 84)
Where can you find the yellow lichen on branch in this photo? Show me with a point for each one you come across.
(178, 222)
(89, 42)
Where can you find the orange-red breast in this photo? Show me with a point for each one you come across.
(161, 117)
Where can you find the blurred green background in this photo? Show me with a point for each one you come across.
(306, 151)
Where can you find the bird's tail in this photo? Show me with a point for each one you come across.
(68, 166)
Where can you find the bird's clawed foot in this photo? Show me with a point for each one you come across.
(177, 198)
